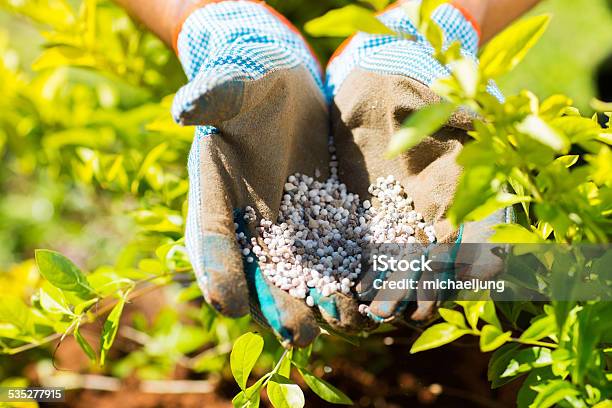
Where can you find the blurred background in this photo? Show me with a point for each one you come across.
(91, 165)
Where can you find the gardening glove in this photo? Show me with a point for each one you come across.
(375, 82)
(256, 86)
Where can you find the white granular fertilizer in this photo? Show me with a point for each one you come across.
(321, 229)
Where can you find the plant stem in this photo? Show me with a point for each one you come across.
(534, 343)
(534, 190)
(280, 360)
(106, 308)
(276, 368)
(267, 377)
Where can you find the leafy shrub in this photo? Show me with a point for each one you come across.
(92, 110)
(555, 164)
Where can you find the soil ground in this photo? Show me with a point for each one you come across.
(378, 373)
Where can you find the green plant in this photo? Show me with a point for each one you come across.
(555, 164)
(89, 127)
(85, 140)
(281, 391)
(565, 361)
(526, 147)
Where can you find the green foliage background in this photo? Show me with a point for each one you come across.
(565, 60)
(93, 167)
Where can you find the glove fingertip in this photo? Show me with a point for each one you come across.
(425, 311)
(384, 310)
(204, 101)
(222, 277)
(290, 319)
(346, 317)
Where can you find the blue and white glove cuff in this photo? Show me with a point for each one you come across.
(394, 55)
(236, 40)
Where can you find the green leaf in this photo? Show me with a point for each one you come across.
(554, 106)
(603, 404)
(241, 401)
(52, 305)
(57, 14)
(62, 273)
(451, 53)
(346, 21)
(418, 126)
(249, 398)
(301, 356)
(245, 353)
(13, 310)
(561, 360)
(495, 203)
(284, 394)
(540, 328)
(83, 306)
(109, 330)
(506, 50)
(209, 363)
(85, 346)
(601, 165)
(472, 310)
(324, 389)
(454, 317)
(489, 314)
(209, 315)
(568, 160)
(601, 106)
(466, 72)
(536, 128)
(63, 56)
(436, 336)
(577, 128)
(82, 137)
(435, 35)
(565, 316)
(514, 233)
(498, 362)
(427, 9)
(473, 191)
(188, 339)
(527, 394)
(527, 359)
(284, 369)
(553, 392)
(592, 321)
(149, 161)
(189, 293)
(492, 338)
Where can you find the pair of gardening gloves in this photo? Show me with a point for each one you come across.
(263, 111)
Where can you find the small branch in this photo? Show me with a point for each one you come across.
(280, 360)
(73, 381)
(103, 310)
(134, 335)
(221, 349)
(176, 387)
(535, 343)
(533, 188)
(270, 374)
(29, 346)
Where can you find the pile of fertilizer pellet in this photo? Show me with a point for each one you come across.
(322, 228)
